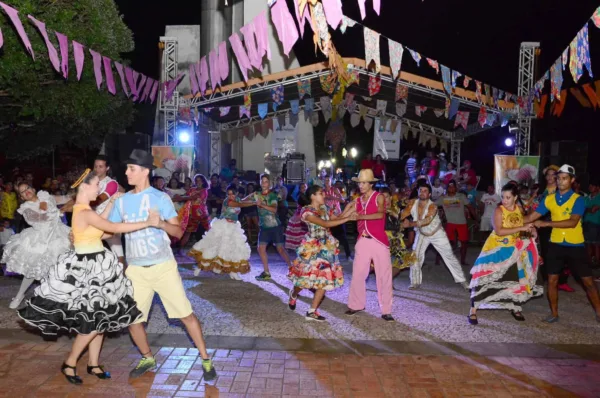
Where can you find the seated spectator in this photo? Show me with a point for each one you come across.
(471, 194)
(450, 174)
(467, 175)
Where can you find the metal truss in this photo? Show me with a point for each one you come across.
(169, 108)
(527, 56)
(455, 146)
(256, 119)
(215, 152)
(241, 91)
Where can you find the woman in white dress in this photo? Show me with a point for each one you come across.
(32, 252)
(224, 248)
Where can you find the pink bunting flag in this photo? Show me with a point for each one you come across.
(251, 46)
(63, 43)
(97, 58)
(262, 35)
(14, 17)
(136, 76)
(153, 92)
(462, 119)
(361, 6)
(215, 75)
(203, 82)
(377, 6)
(419, 109)
(193, 79)
(110, 80)
(1, 39)
(302, 19)
(140, 87)
(79, 56)
(52, 54)
(333, 12)
(149, 86)
(285, 26)
(122, 77)
(130, 81)
(223, 61)
(170, 87)
(482, 117)
(241, 55)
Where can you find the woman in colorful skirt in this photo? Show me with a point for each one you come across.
(493, 285)
(317, 266)
(198, 210)
(296, 229)
(401, 257)
(224, 248)
(86, 291)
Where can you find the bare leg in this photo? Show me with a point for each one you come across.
(80, 343)
(184, 240)
(553, 294)
(283, 254)
(592, 293)
(94, 352)
(24, 286)
(194, 329)
(319, 294)
(140, 338)
(262, 252)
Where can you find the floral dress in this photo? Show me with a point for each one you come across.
(492, 285)
(198, 211)
(317, 265)
(400, 255)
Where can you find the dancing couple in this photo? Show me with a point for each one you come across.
(87, 293)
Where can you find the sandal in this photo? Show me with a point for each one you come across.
(472, 318)
(518, 315)
(71, 379)
(104, 375)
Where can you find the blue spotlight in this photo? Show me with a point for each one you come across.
(509, 142)
(184, 137)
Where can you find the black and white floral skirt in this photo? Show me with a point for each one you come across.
(83, 293)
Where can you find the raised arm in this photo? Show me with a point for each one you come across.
(324, 223)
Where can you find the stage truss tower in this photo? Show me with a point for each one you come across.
(527, 56)
(170, 109)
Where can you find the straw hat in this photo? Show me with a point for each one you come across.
(365, 175)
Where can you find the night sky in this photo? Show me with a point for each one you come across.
(477, 38)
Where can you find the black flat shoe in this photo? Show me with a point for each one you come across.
(472, 318)
(387, 318)
(104, 375)
(518, 315)
(71, 379)
(353, 312)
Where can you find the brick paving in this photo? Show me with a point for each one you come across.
(31, 369)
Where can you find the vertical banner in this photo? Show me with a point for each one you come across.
(285, 137)
(169, 159)
(522, 169)
(386, 142)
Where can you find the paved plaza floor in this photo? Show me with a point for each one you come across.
(261, 348)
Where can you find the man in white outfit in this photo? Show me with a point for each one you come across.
(429, 231)
(489, 201)
(108, 187)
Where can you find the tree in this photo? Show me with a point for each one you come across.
(39, 109)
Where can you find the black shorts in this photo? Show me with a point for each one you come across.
(574, 257)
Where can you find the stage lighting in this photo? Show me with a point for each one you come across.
(333, 160)
(328, 163)
(513, 128)
(344, 152)
(184, 137)
(509, 142)
(353, 152)
(321, 164)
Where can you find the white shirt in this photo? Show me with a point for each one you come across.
(103, 184)
(437, 192)
(490, 202)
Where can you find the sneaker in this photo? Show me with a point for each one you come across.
(292, 300)
(388, 318)
(550, 319)
(465, 285)
(566, 288)
(264, 276)
(208, 369)
(16, 301)
(314, 316)
(145, 365)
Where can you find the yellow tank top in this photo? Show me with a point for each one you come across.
(510, 219)
(89, 239)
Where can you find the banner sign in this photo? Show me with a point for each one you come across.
(522, 169)
(169, 159)
(285, 138)
(385, 142)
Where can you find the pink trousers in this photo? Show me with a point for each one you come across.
(367, 250)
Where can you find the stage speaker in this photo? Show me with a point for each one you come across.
(566, 152)
(118, 147)
(295, 170)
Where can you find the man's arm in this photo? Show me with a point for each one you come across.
(171, 227)
(570, 223)
(431, 213)
(375, 216)
(406, 211)
(271, 206)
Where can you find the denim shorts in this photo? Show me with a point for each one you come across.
(271, 235)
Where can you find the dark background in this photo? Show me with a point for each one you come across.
(478, 38)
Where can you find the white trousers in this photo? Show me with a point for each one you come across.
(440, 242)
(115, 245)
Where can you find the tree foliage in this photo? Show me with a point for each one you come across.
(39, 109)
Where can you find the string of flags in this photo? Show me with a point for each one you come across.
(137, 86)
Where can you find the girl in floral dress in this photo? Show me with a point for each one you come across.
(296, 228)
(317, 265)
(198, 211)
(505, 250)
(224, 248)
